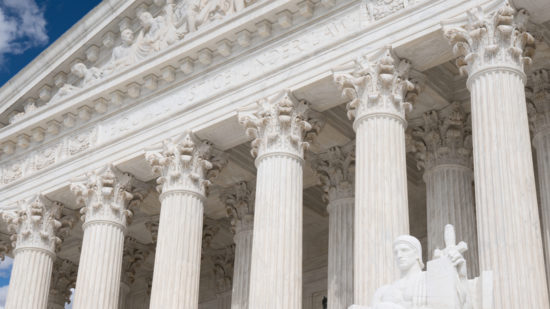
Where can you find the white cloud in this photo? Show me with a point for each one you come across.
(5, 267)
(22, 25)
(3, 295)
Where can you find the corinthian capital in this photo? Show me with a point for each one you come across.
(378, 84)
(539, 100)
(186, 163)
(497, 39)
(223, 268)
(336, 171)
(133, 257)
(281, 124)
(239, 203)
(444, 138)
(108, 195)
(36, 224)
(63, 280)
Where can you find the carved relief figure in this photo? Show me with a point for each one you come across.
(123, 55)
(157, 32)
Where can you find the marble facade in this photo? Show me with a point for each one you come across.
(266, 154)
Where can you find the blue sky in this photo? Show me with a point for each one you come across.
(27, 27)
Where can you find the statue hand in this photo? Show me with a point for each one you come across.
(457, 260)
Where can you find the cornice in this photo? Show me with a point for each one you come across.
(320, 44)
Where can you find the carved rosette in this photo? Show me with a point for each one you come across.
(63, 280)
(336, 171)
(378, 85)
(108, 195)
(133, 257)
(281, 125)
(539, 101)
(223, 269)
(497, 39)
(239, 203)
(186, 164)
(442, 139)
(36, 225)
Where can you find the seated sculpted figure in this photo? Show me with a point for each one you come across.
(443, 286)
(124, 54)
(88, 76)
(157, 32)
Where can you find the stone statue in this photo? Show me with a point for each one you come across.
(443, 286)
(88, 76)
(157, 32)
(124, 54)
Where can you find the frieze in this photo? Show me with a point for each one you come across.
(238, 74)
(48, 155)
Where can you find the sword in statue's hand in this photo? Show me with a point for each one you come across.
(453, 251)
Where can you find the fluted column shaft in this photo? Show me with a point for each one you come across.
(107, 195)
(178, 259)
(241, 273)
(35, 236)
(282, 128)
(542, 147)
(381, 202)
(450, 200)
(30, 279)
(340, 254)
(124, 290)
(224, 300)
(508, 224)
(185, 164)
(493, 49)
(99, 269)
(276, 271)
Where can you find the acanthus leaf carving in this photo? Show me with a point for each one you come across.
(36, 224)
(378, 84)
(223, 268)
(63, 280)
(497, 39)
(186, 163)
(108, 194)
(538, 100)
(281, 124)
(239, 204)
(336, 171)
(134, 256)
(444, 138)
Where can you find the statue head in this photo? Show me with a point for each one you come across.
(79, 69)
(407, 252)
(127, 36)
(146, 19)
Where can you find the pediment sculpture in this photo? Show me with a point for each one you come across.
(444, 285)
(156, 33)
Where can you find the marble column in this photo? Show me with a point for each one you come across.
(281, 127)
(107, 195)
(186, 165)
(540, 118)
(223, 274)
(134, 255)
(34, 227)
(493, 49)
(63, 280)
(443, 148)
(336, 170)
(378, 89)
(239, 202)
